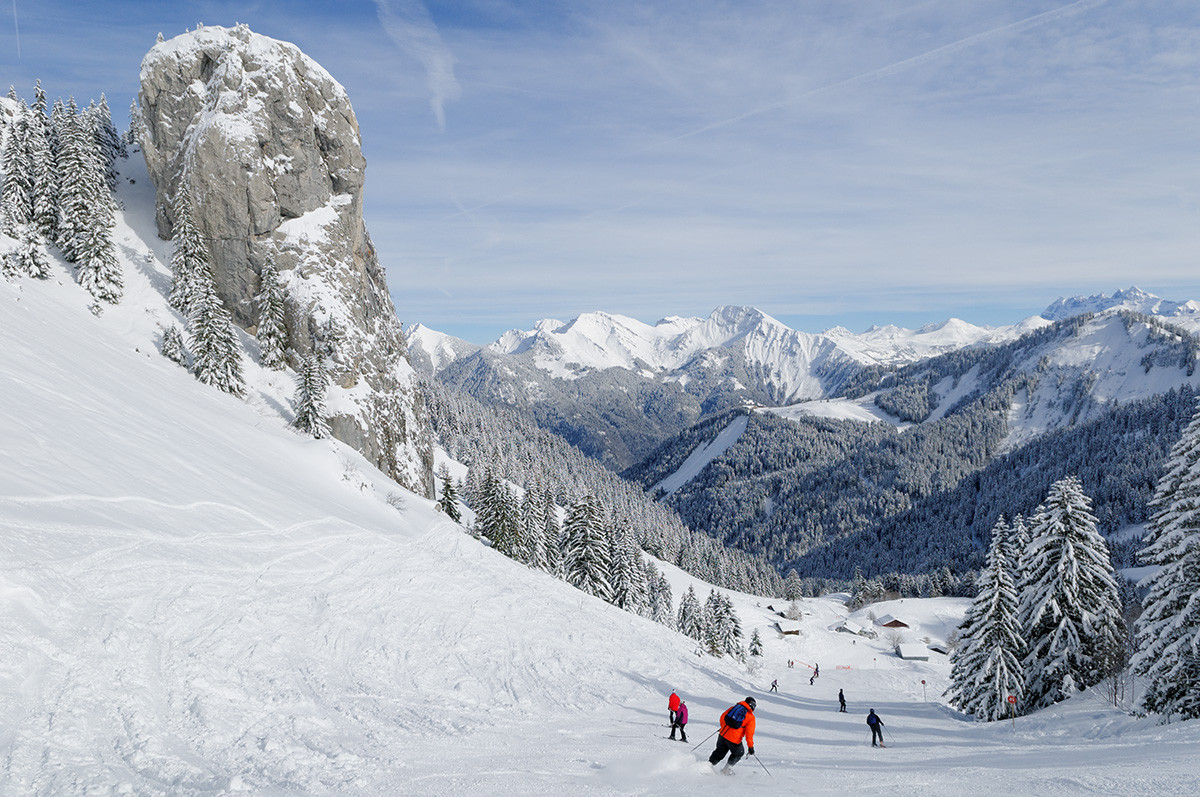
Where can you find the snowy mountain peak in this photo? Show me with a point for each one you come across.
(1132, 298)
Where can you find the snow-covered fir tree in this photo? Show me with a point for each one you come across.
(189, 256)
(80, 178)
(731, 628)
(136, 123)
(45, 185)
(29, 258)
(1168, 630)
(986, 666)
(627, 577)
(96, 256)
(449, 496)
(216, 355)
(551, 535)
(792, 589)
(310, 396)
(1070, 610)
(108, 141)
(16, 160)
(172, 345)
(756, 645)
(659, 596)
(722, 630)
(690, 621)
(585, 548)
(532, 542)
(710, 633)
(272, 327)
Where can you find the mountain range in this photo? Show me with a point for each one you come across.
(617, 387)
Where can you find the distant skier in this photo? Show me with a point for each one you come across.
(680, 721)
(672, 706)
(774, 686)
(736, 723)
(841, 702)
(876, 726)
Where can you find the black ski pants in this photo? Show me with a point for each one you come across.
(682, 732)
(734, 749)
(877, 732)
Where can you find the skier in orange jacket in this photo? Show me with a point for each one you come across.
(737, 723)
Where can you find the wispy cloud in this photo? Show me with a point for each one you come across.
(409, 24)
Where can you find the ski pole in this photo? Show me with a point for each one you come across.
(764, 766)
(706, 738)
(889, 733)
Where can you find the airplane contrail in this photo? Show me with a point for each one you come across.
(892, 69)
(878, 73)
(17, 28)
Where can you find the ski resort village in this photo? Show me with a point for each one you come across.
(260, 536)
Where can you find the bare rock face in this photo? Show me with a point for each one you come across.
(269, 146)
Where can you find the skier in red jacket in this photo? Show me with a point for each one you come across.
(672, 706)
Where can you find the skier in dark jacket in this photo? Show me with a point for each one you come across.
(841, 702)
(680, 722)
(730, 738)
(876, 726)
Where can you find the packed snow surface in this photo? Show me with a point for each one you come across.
(194, 599)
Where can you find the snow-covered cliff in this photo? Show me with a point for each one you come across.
(269, 146)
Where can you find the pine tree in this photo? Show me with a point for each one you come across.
(99, 270)
(45, 187)
(172, 345)
(216, 355)
(1070, 610)
(272, 328)
(532, 548)
(136, 124)
(792, 589)
(730, 627)
(1168, 630)
(16, 161)
(691, 616)
(190, 256)
(585, 555)
(664, 611)
(79, 177)
(986, 666)
(626, 574)
(756, 645)
(714, 632)
(449, 499)
(29, 258)
(552, 535)
(310, 396)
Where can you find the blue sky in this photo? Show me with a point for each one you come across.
(830, 162)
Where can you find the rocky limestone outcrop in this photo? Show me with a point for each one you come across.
(269, 146)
